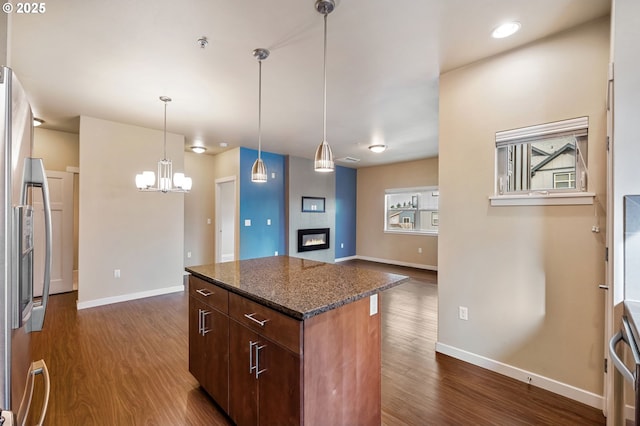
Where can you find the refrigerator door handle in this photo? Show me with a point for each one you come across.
(34, 167)
(37, 367)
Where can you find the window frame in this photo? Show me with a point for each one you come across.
(524, 138)
(412, 197)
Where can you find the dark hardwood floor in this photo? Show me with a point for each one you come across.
(126, 364)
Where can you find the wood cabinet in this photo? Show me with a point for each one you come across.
(283, 371)
(264, 374)
(209, 339)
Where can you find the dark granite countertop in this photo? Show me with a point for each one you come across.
(296, 287)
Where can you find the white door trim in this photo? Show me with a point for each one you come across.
(219, 256)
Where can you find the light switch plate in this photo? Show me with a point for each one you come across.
(373, 304)
(247, 222)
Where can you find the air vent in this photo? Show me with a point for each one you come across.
(348, 160)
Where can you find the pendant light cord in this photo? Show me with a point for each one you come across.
(259, 108)
(324, 116)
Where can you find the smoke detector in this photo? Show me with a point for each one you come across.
(202, 42)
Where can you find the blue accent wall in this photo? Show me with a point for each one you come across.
(346, 190)
(260, 202)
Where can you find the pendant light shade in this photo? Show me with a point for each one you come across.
(167, 180)
(323, 161)
(259, 170)
(324, 158)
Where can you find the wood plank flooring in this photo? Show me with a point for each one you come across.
(127, 364)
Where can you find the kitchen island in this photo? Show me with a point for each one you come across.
(283, 340)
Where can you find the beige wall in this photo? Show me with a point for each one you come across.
(198, 209)
(528, 275)
(199, 204)
(58, 151)
(142, 234)
(371, 240)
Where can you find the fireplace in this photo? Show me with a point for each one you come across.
(313, 239)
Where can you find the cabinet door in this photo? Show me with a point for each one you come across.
(279, 401)
(197, 353)
(243, 386)
(216, 346)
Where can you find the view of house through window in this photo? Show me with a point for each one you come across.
(548, 157)
(411, 210)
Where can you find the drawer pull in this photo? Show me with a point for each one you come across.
(204, 292)
(260, 323)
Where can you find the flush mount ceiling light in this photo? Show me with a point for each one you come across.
(324, 157)
(198, 149)
(259, 170)
(37, 122)
(146, 180)
(377, 148)
(506, 29)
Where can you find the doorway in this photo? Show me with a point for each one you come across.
(225, 219)
(61, 200)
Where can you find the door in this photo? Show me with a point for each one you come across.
(279, 401)
(61, 194)
(243, 385)
(225, 219)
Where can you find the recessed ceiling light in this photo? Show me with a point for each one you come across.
(198, 149)
(37, 122)
(378, 148)
(506, 29)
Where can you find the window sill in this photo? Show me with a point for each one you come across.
(550, 199)
(433, 233)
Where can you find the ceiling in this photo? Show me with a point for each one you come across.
(113, 59)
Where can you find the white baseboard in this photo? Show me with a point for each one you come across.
(344, 259)
(128, 297)
(396, 262)
(572, 392)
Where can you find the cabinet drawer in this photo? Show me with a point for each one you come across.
(210, 294)
(267, 322)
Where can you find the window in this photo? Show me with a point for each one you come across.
(564, 180)
(411, 210)
(543, 158)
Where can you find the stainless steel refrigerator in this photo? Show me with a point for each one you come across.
(20, 313)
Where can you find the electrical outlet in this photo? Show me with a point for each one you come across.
(275, 253)
(463, 313)
(419, 249)
(188, 255)
(341, 245)
(116, 273)
(268, 221)
(208, 221)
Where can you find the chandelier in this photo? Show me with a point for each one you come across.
(167, 181)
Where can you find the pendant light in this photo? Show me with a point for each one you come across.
(324, 157)
(167, 181)
(259, 170)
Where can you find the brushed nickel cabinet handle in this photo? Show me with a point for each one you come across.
(205, 330)
(260, 323)
(251, 366)
(258, 371)
(204, 292)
